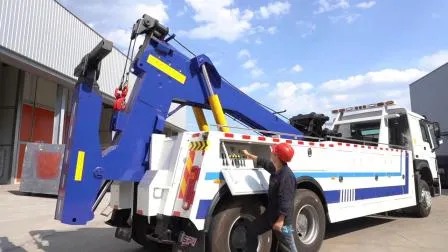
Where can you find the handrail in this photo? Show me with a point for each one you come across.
(364, 142)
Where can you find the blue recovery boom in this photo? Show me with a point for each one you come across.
(165, 75)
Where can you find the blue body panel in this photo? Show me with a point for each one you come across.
(145, 114)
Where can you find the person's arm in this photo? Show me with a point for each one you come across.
(260, 162)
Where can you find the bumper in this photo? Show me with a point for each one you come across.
(180, 233)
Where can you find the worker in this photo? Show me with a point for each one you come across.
(282, 188)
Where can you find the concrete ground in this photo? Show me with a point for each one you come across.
(27, 224)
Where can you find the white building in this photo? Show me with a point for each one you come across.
(41, 43)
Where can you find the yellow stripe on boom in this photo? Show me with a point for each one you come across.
(168, 70)
(79, 166)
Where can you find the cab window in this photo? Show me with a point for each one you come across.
(399, 134)
(363, 131)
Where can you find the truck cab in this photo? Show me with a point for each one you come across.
(384, 123)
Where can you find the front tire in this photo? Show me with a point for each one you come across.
(228, 227)
(424, 202)
(308, 221)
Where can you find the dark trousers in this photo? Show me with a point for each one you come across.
(284, 239)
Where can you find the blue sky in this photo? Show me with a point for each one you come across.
(303, 55)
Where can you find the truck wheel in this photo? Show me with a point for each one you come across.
(228, 228)
(308, 221)
(423, 207)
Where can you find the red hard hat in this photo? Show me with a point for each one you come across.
(284, 151)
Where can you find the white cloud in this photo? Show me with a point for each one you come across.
(385, 84)
(157, 10)
(331, 5)
(308, 28)
(244, 53)
(113, 19)
(249, 64)
(261, 29)
(366, 5)
(382, 77)
(254, 86)
(182, 12)
(217, 19)
(258, 41)
(287, 95)
(273, 9)
(435, 60)
(272, 30)
(119, 37)
(297, 68)
(349, 18)
(340, 97)
(256, 72)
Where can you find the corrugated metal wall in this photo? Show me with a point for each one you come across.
(45, 32)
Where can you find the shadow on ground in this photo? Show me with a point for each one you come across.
(6, 245)
(349, 226)
(83, 239)
(28, 194)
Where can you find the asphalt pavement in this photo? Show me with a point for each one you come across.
(27, 224)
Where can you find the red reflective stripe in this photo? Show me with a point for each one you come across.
(387, 148)
(381, 148)
(301, 142)
(311, 143)
(191, 184)
(362, 146)
(340, 144)
(246, 137)
(322, 145)
(196, 134)
(262, 138)
(228, 135)
(347, 144)
(370, 147)
(140, 212)
(176, 213)
(331, 145)
(289, 141)
(355, 145)
(276, 140)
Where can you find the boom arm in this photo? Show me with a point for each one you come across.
(164, 76)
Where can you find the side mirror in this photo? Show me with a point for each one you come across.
(436, 129)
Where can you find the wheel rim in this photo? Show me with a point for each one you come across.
(307, 224)
(238, 235)
(426, 198)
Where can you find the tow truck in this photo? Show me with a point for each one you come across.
(195, 191)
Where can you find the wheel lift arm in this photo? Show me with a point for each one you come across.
(164, 75)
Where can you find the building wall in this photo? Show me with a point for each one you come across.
(45, 32)
(9, 78)
(429, 98)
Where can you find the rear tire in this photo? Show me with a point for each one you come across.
(227, 226)
(309, 221)
(424, 202)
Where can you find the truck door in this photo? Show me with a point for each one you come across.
(430, 144)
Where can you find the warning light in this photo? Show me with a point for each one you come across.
(363, 107)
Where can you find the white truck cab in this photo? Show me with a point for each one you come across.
(385, 123)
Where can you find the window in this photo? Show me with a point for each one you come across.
(399, 131)
(363, 131)
(425, 134)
